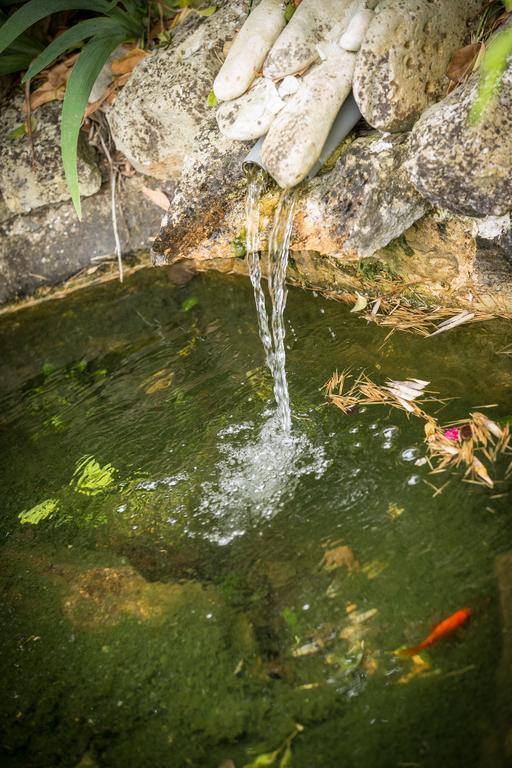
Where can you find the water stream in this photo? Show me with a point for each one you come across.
(278, 249)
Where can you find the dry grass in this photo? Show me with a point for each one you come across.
(476, 444)
(349, 395)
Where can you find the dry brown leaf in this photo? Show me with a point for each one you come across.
(338, 558)
(157, 197)
(54, 85)
(126, 64)
(463, 61)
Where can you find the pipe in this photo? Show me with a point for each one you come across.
(348, 116)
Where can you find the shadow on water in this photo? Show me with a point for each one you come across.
(183, 582)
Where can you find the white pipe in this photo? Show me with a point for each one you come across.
(346, 119)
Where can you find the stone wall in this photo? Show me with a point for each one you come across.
(431, 202)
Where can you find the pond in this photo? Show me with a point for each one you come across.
(182, 585)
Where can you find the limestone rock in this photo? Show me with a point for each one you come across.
(28, 184)
(212, 180)
(363, 204)
(465, 168)
(157, 116)
(402, 62)
(49, 245)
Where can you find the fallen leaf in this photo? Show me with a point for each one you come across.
(158, 381)
(157, 197)
(338, 558)
(394, 511)
(453, 322)
(374, 569)
(419, 667)
(361, 303)
(126, 64)
(463, 61)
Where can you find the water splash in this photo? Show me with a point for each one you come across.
(279, 243)
(255, 477)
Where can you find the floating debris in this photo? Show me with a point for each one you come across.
(453, 322)
(363, 391)
(475, 443)
(471, 443)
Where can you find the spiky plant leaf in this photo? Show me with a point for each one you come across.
(70, 39)
(81, 80)
(35, 10)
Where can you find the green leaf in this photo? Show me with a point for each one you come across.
(212, 100)
(289, 11)
(189, 303)
(49, 368)
(90, 478)
(41, 511)
(81, 80)
(35, 10)
(286, 760)
(494, 64)
(21, 130)
(70, 39)
(207, 11)
(262, 761)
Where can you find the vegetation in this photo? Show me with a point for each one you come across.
(492, 67)
(101, 26)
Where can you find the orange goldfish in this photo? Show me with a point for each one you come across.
(446, 627)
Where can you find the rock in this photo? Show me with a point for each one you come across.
(50, 245)
(211, 181)
(363, 204)
(359, 207)
(158, 115)
(465, 168)
(402, 63)
(28, 184)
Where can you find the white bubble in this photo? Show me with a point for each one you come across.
(409, 454)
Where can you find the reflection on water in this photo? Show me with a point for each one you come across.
(183, 582)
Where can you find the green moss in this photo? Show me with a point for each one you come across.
(238, 246)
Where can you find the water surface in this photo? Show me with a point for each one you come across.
(182, 583)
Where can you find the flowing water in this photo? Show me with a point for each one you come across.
(182, 582)
(278, 249)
